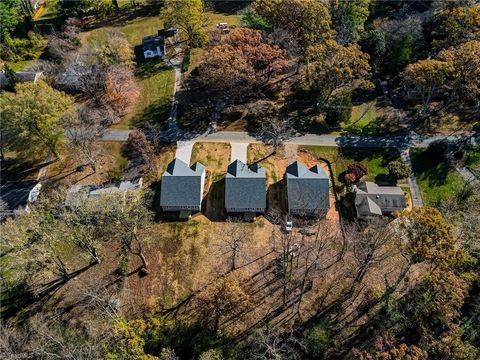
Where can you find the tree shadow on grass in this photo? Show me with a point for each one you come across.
(426, 167)
(15, 169)
(213, 205)
(155, 114)
(276, 196)
(147, 67)
(361, 154)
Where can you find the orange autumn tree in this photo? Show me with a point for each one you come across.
(242, 63)
(121, 89)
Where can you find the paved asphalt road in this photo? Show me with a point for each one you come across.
(404, 141)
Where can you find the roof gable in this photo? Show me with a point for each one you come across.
(178, 167)
(241, 170)
(300, 171)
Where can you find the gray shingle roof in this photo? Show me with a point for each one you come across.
(151, 42)
(245, 187)
(22, 76)
(307, 189)
(386, 198)
(181, 184)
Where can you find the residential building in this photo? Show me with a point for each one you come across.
(182, 187)
(78, 194)
(245, 188)
(307, 190)
(153, 46)
(374, 200)
(16, 196)
(21, 76)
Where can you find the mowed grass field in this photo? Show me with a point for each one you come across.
(437, 181)
(375, 159)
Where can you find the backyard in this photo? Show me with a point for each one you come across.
(437, 180)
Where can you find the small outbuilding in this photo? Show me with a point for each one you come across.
(182, 187)
(307, 190)
(245, 188)
(167, 33)
(374, 200)
(153, 46)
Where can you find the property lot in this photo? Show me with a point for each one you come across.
(375, 159)
(437, 180)
(215, 157)
(111, 166)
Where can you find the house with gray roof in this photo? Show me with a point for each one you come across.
(153, 46)
(182, 187)
(16, 196)
(307, 190)
(245, 188)
(78, 194)
(374, 200)
(20, 76)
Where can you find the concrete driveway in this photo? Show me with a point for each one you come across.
(239, 151)
(184, 151)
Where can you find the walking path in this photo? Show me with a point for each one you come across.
(412, 180)
(239, 151)
(467, 175)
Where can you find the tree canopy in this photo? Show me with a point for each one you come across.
(35, 111)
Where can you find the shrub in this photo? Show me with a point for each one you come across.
(358, 169)
(19, 49)
(350, 178)
(255, 22)
(316, 341)
(398, 170)
(212, 354)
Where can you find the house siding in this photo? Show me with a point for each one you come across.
(241, 210)
(182, 208)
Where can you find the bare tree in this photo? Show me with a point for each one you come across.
(85, 128)
(269, 343)
(232, 240)
(272, 127)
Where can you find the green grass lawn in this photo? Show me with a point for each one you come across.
(375, 159)
(436, 181)
(473, 160)
(154, 79)
(153, 105)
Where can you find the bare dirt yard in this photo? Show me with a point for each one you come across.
(111, 164)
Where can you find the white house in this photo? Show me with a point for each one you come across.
(153, 46)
